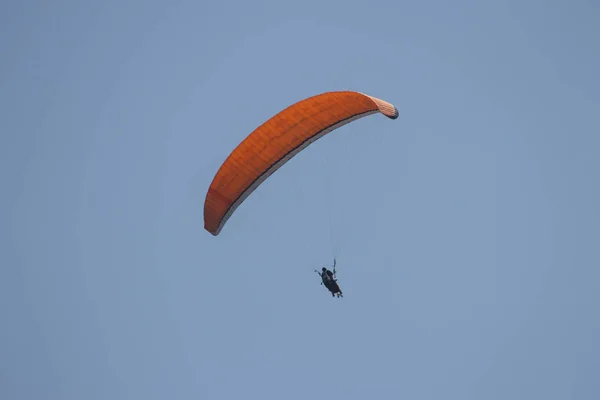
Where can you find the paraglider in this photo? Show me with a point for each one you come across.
(276, 141)
(330, 281)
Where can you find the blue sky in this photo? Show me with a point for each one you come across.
(466, 231)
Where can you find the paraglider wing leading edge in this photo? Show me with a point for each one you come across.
(276, 141)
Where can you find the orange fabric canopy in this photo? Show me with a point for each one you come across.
(276, 141)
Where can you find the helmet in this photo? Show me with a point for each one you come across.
(324, 269)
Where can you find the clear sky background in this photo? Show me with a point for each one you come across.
(466, 231)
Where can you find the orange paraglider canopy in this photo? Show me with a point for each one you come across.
(278, 140)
